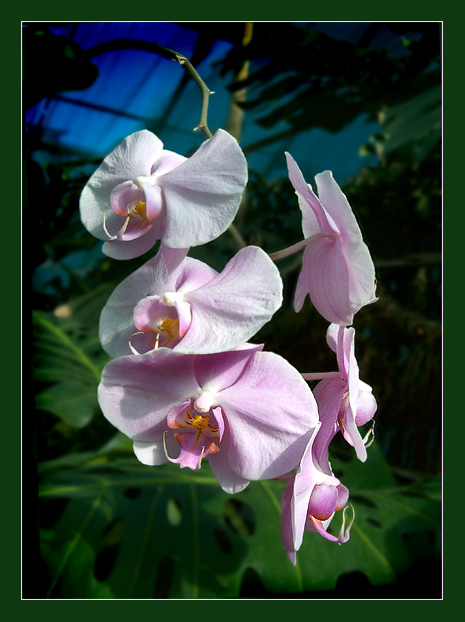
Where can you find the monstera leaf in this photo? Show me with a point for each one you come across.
(131, 531)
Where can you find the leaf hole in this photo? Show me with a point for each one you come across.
(251, 586)
(132, 493)
(239, 517)
(351, 582)
(174, 512)
(111, 541)
(363, 500)
(223, 541)
(164, 578)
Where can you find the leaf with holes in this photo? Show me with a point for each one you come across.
(129, 531)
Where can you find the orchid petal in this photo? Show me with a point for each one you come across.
(361, 268)
(124, 195)
(152, 279)
(366, 406)
(307, 198)
(332, 336)
(337, 205)
(173, 257)
(287, 524)
(133, 157)
(320, 527)
(323, 501)
(129, 249)
(301, 289)
(217, 372)
(327, 280)
(350, 427)
(153, 199)
(185, 318)
(271, 414)
(234, 305)
(137, 391)
(229, 481)
(362, 282)
(353, 436)
(342, 496)
(167, 161)
(304, 482)
(328, 395)
(203, 194)
(152, 453)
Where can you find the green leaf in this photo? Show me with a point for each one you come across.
(131, 531)
(74, 402)
(67, 354)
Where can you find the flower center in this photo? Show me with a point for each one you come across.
(168, 331)
(138, 211)
(199, 435)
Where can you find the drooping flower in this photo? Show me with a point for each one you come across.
(142, 192)
(249, 412)
(311, 498)
(344, 401)
(337, 270)
(192, 308)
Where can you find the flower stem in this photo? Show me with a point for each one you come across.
(288, 251)
(205, 91)
(321, 375)
(295, 248)
(127, 44)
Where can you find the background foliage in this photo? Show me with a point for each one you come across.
(112, 528)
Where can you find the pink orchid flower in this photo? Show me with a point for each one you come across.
(250, 412)
(311, 498)
(344, 401)
(192, 308)
(337, 271)
(141, 193)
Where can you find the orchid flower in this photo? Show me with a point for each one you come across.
(311, 498)
(249, 412)
(192, 308)
(337, 271)
(142, 192)
(344, 401)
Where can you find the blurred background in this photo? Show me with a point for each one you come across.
(362, 99)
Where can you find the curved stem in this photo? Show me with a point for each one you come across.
(205, 91)
(125, 44)
(295, 248)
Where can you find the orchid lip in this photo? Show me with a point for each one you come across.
(135, 211)
(198, 436)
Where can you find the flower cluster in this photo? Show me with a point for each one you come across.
(184, 383)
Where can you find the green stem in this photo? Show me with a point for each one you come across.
(125, 44)
(204, 90)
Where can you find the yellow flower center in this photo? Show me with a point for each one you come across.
(169, 329)
(140, 209)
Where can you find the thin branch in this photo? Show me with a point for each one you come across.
(204, 90)
(128, 44)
